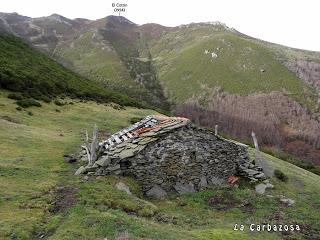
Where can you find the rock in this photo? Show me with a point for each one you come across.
(217, 181)
(104, 161)
(259, 176)
(86, 178)
(123, 187)
(156, 192)
(287, 201)
(81, 170)
(114, 168)
(126, 153)
(184, 188)
(251, 172)
(203, 182)
(70, 158)
(261, 188)
(269, 185)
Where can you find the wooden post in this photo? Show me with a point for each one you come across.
(216, 130)
(260, 161)
(255, 141)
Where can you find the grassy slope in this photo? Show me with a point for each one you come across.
(31, 161)
(236, 69)
(98, 61)
(31, 166)
(25, 69)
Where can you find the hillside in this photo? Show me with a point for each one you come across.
(208, 72)
(139, 59)
(93, 49)
(219, 57)
(24, 69)
(40, 198)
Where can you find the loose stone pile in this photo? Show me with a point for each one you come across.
(166, 154)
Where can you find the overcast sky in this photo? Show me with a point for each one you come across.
(293, 23)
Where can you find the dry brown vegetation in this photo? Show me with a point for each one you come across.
(306, 70)
(277, 120)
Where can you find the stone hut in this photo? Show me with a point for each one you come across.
(172, 154)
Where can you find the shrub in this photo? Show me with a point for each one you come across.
(30, 113)
(280, 175)
(44, 98)
(25, 103)
(58, 103)
(15, 96)
(133, 120)
(19, 108)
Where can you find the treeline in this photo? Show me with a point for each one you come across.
(278, 121)
(26, 70)
(307, 70)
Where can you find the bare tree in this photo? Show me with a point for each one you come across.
(91, 148)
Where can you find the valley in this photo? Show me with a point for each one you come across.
(60, 77)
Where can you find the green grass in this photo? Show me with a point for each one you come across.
(185, 71)
(32, 166)
(98, 62)
(31, 161)
(24, 69)
(104, 62)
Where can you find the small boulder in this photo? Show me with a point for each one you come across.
(287, 201)
(217, 181)
(184, 188)
(70, 158)
(269, 185)
(203, 182)
(260, 176)
(81, 170)
(156, 192)
(123, 187)
(261, 188)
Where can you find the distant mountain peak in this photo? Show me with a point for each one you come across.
(119, 19)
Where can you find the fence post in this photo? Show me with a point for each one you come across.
(216, 130)
(260, 161)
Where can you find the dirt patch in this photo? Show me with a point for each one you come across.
(247, 207)
(309, 232)
(65, 197)
(223, 202)
(228, 201)
(278, 216)
(306, 230)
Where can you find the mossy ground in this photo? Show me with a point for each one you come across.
(32, 169)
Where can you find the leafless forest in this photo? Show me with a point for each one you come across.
(278, 121)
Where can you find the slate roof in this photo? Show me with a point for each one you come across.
(131, 140)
